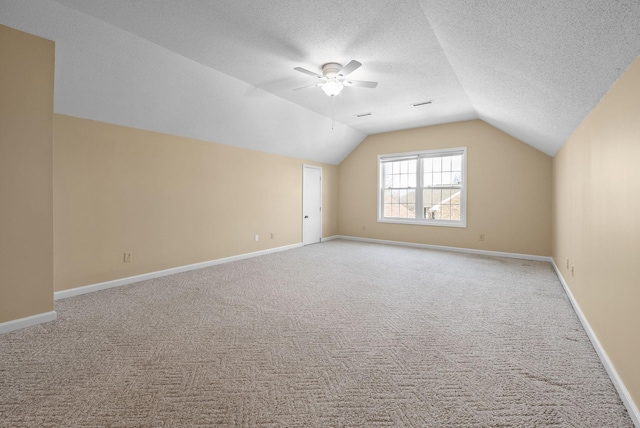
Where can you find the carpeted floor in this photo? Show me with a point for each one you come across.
(334, 334)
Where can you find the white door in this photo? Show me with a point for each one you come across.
(311, 204)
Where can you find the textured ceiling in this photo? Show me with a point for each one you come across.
(223, 70)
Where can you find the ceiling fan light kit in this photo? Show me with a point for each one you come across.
(332, 87)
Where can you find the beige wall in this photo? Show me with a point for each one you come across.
(508, 190)
(26, 121)
(170, 201)
(329, 199)
(596, 222)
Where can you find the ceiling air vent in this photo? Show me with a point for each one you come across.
(424, 103)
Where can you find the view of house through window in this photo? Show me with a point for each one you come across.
(426, 187)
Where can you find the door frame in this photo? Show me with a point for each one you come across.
(319, 168)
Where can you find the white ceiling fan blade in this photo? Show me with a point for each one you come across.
(310, 73)
(360, 83)
(315, 85)
(349, 68)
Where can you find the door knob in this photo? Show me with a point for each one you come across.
(306, 216)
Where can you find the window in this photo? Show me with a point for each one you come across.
(423, 188)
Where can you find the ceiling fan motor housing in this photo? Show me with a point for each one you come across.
(331, 70)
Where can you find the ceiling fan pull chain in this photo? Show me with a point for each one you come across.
(333, 112)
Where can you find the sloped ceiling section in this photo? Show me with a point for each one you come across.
(107, 74)
(536, 68)
(223, 70)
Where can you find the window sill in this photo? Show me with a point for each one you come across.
(441, 223)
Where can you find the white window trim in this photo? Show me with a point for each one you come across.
(426, 222)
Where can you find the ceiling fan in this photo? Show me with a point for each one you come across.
(333, 77)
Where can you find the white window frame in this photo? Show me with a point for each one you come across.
(419, 187)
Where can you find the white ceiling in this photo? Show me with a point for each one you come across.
(223, 70)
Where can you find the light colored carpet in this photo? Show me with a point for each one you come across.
(333, 334)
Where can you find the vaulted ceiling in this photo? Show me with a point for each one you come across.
(223, 70)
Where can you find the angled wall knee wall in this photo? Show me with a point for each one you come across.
(596, 233)
(26, 176)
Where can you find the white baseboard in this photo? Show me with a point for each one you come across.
(330, 238)
(445, 248)
(606, 362)
(8, 326)
(151, 275)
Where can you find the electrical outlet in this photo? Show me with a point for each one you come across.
(572, 271)
(257, 237)
(273, 235)
(567, 263)
(127, 257)
(364, 227)
(481, 237)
